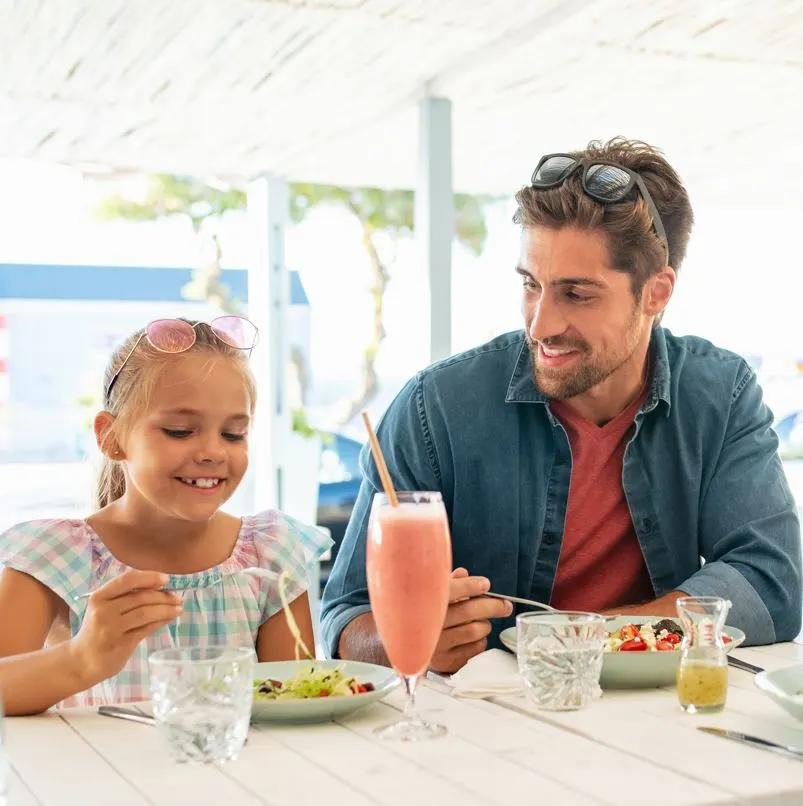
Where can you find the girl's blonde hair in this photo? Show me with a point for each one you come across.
(131, 394)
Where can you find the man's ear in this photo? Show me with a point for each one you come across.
(105, 439)
(659, 291)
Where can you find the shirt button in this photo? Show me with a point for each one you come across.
(549, 539)
(646, 525)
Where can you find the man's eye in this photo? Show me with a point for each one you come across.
(234, 437)
(177, 433)
(575, 297)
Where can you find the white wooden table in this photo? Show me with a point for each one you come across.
(629, 748)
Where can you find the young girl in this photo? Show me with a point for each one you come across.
(84, 602)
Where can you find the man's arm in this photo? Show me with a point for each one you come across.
(359, 639)
(662, 606)
(749, 526)
(411, 465)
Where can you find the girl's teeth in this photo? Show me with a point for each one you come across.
(205, 483)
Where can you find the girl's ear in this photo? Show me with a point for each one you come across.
(105, 439)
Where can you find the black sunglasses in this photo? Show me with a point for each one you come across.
(605, 182)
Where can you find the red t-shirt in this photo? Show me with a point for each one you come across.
(601, 564)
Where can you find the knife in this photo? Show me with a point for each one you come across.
(738, 663)
(126, 713)
(788, 750)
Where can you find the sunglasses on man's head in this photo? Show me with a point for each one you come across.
(605, 182)
(177, 336)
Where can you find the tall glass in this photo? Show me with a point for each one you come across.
(202, 698)
(409, 562)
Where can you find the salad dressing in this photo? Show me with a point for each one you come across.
(702, 680)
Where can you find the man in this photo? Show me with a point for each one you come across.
(594, 460)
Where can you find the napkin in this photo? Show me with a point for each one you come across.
(494, 673)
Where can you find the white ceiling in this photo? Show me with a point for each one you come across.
(327, 90)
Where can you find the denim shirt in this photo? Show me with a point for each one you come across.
(710, 504)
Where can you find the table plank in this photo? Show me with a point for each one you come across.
(139, 754)
(19, 794)
(282, 775)
(55, 761)
(778, 656)
(484, 767)
(564, 757)
(648, 725)
(379, 774)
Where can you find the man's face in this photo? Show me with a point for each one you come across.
(582, 320)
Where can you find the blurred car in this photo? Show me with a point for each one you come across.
(790, 435)
(338, 484)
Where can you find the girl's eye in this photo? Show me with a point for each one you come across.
(177, 433)
(234, 437)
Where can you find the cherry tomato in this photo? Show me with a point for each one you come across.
(628, 632)
(664, 646)
(633, 645)
(672, 638)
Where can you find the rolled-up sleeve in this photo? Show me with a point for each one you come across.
(406, 443)
(749, 526)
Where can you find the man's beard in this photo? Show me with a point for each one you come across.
(564, 384)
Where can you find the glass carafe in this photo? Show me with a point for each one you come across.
(702, 681)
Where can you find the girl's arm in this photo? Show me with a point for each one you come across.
(119, 615)
(274, 639)
(32, 679)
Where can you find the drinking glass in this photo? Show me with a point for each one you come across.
(560, 658)
(408, 563)
(202, 699)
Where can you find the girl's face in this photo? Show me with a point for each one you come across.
(187, 455)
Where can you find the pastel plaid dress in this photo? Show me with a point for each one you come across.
(220, 606)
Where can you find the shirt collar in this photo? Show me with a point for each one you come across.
(522, 388)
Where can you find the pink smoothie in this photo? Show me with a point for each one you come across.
(409, 561)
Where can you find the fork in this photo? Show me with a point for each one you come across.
(254, 571)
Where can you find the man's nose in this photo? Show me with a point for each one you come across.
(547, 321)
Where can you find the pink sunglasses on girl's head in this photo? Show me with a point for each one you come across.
(177, 336)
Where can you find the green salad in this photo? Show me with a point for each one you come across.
(310, 682)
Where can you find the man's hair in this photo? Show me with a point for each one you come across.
(632, 243)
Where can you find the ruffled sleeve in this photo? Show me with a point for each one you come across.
(58, 553)
(280, 543)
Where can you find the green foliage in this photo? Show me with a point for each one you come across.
(300, 424)
(379, 211)
(389, 211)
(168, 196)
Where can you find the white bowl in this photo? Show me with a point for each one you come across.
(785, 688)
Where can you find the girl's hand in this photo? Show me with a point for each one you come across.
(119, 615)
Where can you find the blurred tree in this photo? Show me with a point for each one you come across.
(385, 217)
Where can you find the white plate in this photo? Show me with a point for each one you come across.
(321, 709)
(635, 669)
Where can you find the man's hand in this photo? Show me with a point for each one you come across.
(467, 622)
